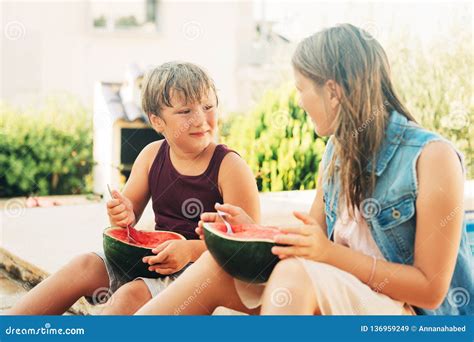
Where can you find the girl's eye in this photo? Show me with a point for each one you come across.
(208, 107)
(187, 111)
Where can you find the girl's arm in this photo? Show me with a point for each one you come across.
(317, 209)
(439, 215)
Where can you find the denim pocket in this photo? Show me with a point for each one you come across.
(395, 214)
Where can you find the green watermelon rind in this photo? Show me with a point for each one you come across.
(249, 260)
(126, 258)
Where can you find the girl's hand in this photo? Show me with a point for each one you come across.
(307, 241)
(235, 215)
(171, 256)
(120, 210)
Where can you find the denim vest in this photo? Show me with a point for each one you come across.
(391, 212)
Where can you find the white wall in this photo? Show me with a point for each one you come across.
(57, 48)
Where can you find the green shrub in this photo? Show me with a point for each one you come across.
(436, 85)
(278, 142)
(47, 150)
(124, 22)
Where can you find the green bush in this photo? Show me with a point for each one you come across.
(45, 151)
(278, 142)
(435, 82)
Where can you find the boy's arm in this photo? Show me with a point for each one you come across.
(238, 186)
(137, 188)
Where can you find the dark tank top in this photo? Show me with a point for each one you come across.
(179, 200)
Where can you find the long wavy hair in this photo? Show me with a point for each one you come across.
(357, 62)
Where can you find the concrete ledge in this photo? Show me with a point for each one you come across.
(29, 276)
(36, 242)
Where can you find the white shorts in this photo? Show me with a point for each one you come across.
(117, 279)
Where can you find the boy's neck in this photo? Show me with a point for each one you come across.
(182, 156)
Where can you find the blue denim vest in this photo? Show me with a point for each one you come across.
(391, 212)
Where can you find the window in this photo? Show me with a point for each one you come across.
(123, 15)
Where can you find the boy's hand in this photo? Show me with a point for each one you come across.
(120, 210)
(235, 215)
(171, 256)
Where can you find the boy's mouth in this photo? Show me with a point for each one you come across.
(198, 134)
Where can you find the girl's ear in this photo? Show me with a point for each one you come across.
(334, 93)
(157, 123)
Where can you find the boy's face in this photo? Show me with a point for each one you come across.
(189, 127)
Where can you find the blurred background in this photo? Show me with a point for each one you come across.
(71, 73)
(71, 122)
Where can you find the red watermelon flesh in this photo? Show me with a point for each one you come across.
(147, 239)
(250, 231)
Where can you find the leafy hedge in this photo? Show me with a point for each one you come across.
(436, 85)
(278, 142)
(47, 150)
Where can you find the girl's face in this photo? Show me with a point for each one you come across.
(189, 127)
(320, 103)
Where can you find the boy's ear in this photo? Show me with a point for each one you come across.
(157, 122)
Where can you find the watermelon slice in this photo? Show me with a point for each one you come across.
(246, 254)
(127, 255)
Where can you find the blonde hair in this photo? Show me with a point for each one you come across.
(185, 80)
(353, 59)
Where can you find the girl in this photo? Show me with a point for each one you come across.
(377, 240)
(184, 175)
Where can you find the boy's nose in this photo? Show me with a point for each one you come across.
(199, 118)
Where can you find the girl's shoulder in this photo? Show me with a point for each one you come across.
(417, 135)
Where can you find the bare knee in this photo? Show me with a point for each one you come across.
(127, 299)
(289, 269)
(291, 275)
(88, 269)
(289, 286)
(85, 262)
(133, 292)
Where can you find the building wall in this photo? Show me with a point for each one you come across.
(55, 48)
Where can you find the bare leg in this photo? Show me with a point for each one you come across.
(127, 299)
(289, 291)
(198, 291)
(57, 293)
